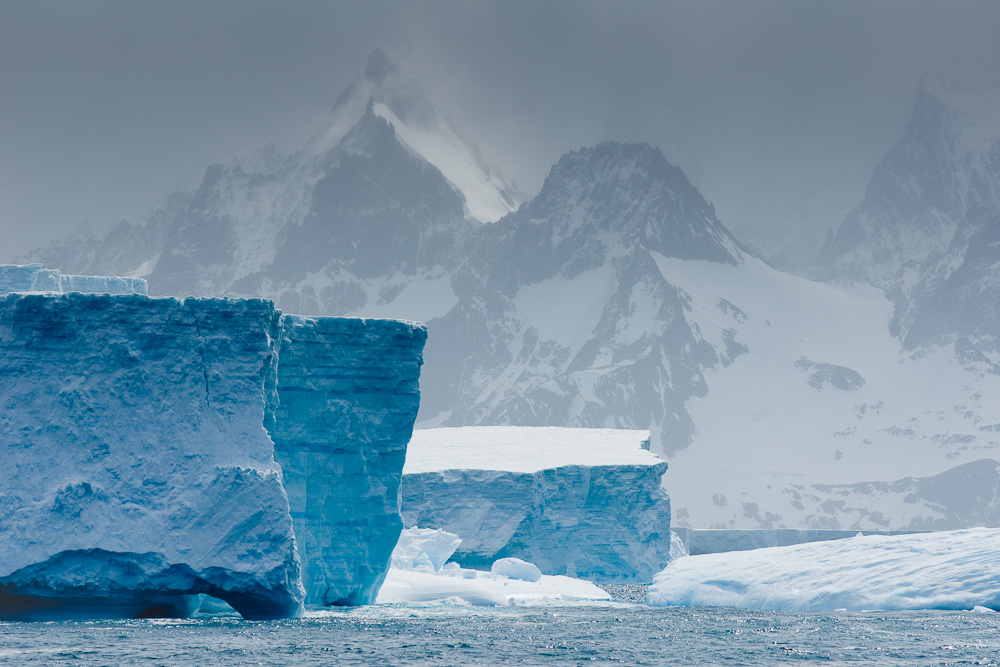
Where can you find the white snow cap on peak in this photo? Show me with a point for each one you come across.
(425, 131)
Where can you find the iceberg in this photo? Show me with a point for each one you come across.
(942, 570)
(143, 440)
(415, 577)
(573, 501)
(137, 472)
(348, 396)
(33, 278)
(515, 568)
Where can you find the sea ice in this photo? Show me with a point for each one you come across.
(515, 568)
(410, 579)
(941, 570)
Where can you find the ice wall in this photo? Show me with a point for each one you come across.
(136, 469)
(578, 502)
(349, 395)
(33, 278)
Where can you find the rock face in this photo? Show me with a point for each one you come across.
(33, 278)
(137, 471)
(927, 226)
(603, 517)
(349, 394)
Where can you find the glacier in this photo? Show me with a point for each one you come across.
(34, 278)
(143, 443)
(940, 570)
(577, 502)
(419, 574)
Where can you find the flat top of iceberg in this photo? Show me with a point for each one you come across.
(957, 569)
(525, 449)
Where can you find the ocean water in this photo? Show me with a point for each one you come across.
(608, 633)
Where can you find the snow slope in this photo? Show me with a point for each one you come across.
(811, 400)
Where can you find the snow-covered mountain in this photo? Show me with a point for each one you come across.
(925, 228)
(563, 315)
(945, 168)
(616, 298)
(384, 152)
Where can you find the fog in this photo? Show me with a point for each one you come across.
(777, 110)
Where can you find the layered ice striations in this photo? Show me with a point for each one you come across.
(138, 468)
(34, 278)
(577, 502)
(137, 471)
(348, 397)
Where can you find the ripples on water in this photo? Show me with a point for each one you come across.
(450, 635)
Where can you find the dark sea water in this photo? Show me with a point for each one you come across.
(617, 633)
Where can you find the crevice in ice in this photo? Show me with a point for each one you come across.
(201, 354)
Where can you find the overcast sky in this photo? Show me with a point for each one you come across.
(777, 110)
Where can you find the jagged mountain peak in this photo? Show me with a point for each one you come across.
(944, 165)
(380, 67)
(629, 195)
(381, 82)
(427, 131)
(619, 165)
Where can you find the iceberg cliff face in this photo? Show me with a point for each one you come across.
(137, 471)
(348, 398)
(587, 503)
(33, 278)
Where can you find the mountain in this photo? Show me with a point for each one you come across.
(236, 232)
(945, 168)
(617, 298)
(563, 316)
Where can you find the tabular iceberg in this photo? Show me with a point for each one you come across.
(137, 471)
(33, 278)
(577, 502)
(348, 396)
(943, 570)
(140, 439)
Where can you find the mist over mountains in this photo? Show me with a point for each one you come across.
(616, 298)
